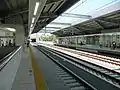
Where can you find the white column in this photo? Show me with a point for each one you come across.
(20, 35)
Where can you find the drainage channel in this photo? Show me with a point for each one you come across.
(104, 74)
(70, 79)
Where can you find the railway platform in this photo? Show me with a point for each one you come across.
(102, 49)
(93, 48)
(66, 23)
(16, 71)
(47, 68)
(80, 68)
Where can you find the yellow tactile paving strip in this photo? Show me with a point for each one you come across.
(39, 80)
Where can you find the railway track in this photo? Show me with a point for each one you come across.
(71, 81)
(5, 57)
(110, 60)
(69, 78)
(4, 60)
(106, 75)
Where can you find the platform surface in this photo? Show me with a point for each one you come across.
(102, 48)
(24, 79)
(93, 48)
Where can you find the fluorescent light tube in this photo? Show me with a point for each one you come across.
(36, 8)
(33, 19)
(31, 25)
(11, 29)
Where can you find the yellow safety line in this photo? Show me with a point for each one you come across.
(39, 81)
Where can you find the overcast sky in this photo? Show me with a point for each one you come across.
(85, 8)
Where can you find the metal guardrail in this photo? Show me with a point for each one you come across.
(8, 57)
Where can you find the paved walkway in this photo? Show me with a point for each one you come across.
(24, 78)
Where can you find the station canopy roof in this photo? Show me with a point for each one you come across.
(86, 17)
(14, 9)
(50, 11)
(21, 12)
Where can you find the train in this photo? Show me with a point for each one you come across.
(103, 39)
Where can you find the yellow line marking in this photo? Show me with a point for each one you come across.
(39, 81)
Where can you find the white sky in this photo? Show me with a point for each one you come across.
(83, 7)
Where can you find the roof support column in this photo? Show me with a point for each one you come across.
(20, 35)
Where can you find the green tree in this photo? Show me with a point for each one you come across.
(48, 38)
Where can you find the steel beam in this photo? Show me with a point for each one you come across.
(80, 28)
(7, 36)
(64, 5)
(76, 15)
(54, 27)
(74, 28)
(85, 27)
(47, 30)
(53, 1)
(16, 12)
(46, 15)
(58, 23)
(98, 23)
(110, 20)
